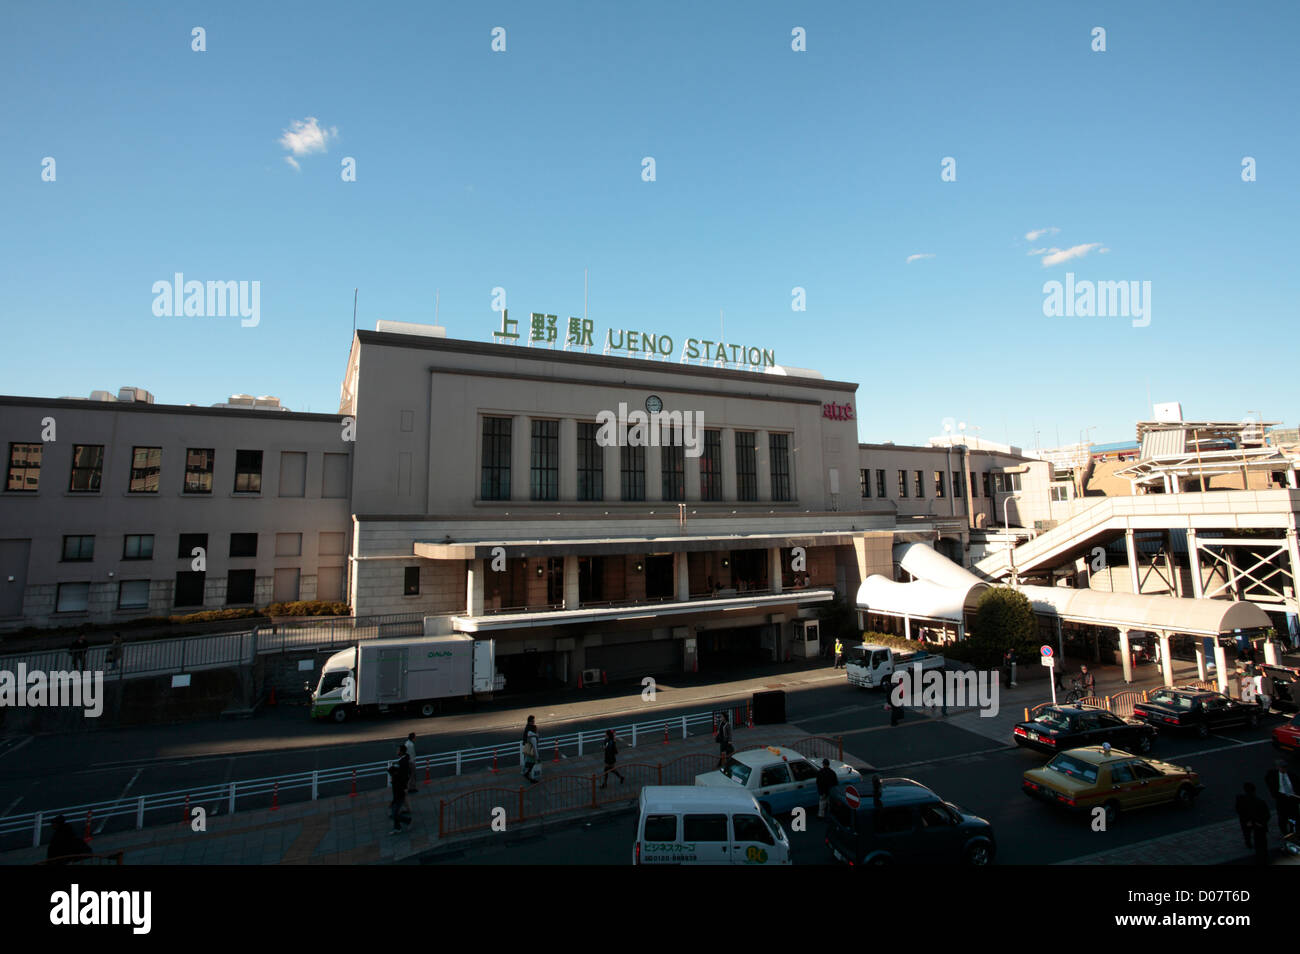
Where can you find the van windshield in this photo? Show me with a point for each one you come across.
(332, 680)
(737, 770)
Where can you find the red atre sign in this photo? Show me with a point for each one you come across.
(838, 412)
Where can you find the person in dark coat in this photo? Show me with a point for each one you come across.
(64, 843)
(611, 758)
(1284, 785)
(79, 647)
(895, 710)
(531, 749)
(1252, 812)
(723, 736)
(114, 655)
(826, 780)
(400, 771)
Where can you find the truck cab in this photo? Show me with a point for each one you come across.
(871, 666)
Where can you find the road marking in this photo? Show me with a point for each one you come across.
(12, 806)
(15, 748)
(945, 758)
(104, 821)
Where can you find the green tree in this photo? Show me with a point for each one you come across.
(1003, 620)
(838, 619)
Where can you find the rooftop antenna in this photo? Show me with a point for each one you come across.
(436, 295)
(354, 312)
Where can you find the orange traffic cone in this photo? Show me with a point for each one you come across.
(353, 793)
(275, 797)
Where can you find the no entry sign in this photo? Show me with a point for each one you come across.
(851, 797)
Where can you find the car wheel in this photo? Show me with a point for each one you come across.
(1112, 812)
(1186, 796)
(427, 709)
(979, 854)
(1144, 742)
(339, 715)
(1252, 720)
(1203, 731)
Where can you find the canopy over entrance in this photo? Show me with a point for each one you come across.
(1157, 614)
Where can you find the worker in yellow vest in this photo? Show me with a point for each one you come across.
(839, 652)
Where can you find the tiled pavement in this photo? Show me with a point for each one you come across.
(1220, 843)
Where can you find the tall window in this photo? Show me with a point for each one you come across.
(198, 469)
(918, 481)
(632, 472)
(864, 483)
(137, 546)
(24, 467)
(243, 544)
(146, 464)
(746, 466)
(974, 485)
(902, 484)
(880, 484)
(78, 549)
(496, 459)
(248, 471)
(591, 463)
(956, 483)
(939, 489)
(673, 457)
(778, 447)
(987, 478)
(711, 466)
(87, 468)
(545, 461)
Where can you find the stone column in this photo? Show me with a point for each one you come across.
(613, 461)
(729, 464)
(682, 576)
(474, 587)
(763, 465)
(1166, 661)
(1130, 548)
(692, 472)
(1271, 656)
(571, 590)
(1200, 658)
(1194, 563)
(654, 473)
(1221, 666)
(774, 569)
(568, 459)
(1124, 655)
(521, 446)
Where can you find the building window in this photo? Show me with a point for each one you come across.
(87, 468)
(146, 465)
(632, 472)
(880, 484)
(198, 469)
(987, 478)
(778, 446)
(1006, 483)
(974, 484)
(288, 544)
(190, 542)
(189, 588)
(334, 476)
(1060, 493)
(137, 546)
(411, 581)
(864, 484)
(711, 466)
(72, 598)
(746, 466)
(133, 594)
(496, 459)
(243, 544)
(918, 480)
(902, 484)
(79, 549)
(24, 467)
(248, 472)
(240, 587)
(939, 489)
(956, 484)
(673, 458)
(545, 463)
(591, 463)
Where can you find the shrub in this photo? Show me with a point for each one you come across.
(309, 608)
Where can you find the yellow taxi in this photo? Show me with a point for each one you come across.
(1112, 779)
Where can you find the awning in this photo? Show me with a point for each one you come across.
(1170, 614)
(607, 546)
(919, 600)
(925, 563)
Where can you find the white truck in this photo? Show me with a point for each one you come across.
(413, 673)
(871, 666)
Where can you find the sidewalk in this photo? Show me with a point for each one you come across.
(356, 829)
(1217, 844)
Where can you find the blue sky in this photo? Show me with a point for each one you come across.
(775, 169)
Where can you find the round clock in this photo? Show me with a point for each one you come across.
(653, 404)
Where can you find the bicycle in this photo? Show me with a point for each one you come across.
(1076, 692)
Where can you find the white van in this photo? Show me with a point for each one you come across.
(690, 825)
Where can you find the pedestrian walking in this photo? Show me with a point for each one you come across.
(65, 844)
(79, 647)
(114, 652)
(409, 745)
(723, 737)
(1087, 680)
(611, 758)
(1252, 813)
(826, 780)
(532, 757)
(1284, 785)
(839, 652)
(895, 710)
(400, 773)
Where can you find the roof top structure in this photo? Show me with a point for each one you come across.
(1175, 451)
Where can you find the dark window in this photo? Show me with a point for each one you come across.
(704, 828)
(146, 465)
(243, 544)
(1109, 720)
(24, 467)
(803, 771)
(632, 472)
(87, 467)
(918, 480)
(72, 598)
(248, 472)
(188, 542)
(137, 546)
(78, 549)
(935, 816)
(746, 466)
(591, 463)
(673, 459)
(774, 775)
(902, 484)
(591, 579)
(956, 483)
(939, 489)
(864, 483)
(892, 821)
(779, 456)
(411, 581)
(1120, 774)
(1143, 770)
(880, 484)
(133, 594)
(751, 828)
(240, 586)
(496, 459)
(189, 589)
(545, 461)
(198, 469)
(974, 484)
(711, 466)
(987, 492)
(555, 580)
(660, 828)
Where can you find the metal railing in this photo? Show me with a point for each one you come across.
(1121, 704)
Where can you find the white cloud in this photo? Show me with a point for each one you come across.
(1038, 251)
(305, 136)
(913, 258)
(1055, 256)
(1035, 235)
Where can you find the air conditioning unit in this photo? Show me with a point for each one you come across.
(590, 676)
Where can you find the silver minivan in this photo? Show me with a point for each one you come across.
(690, 825)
